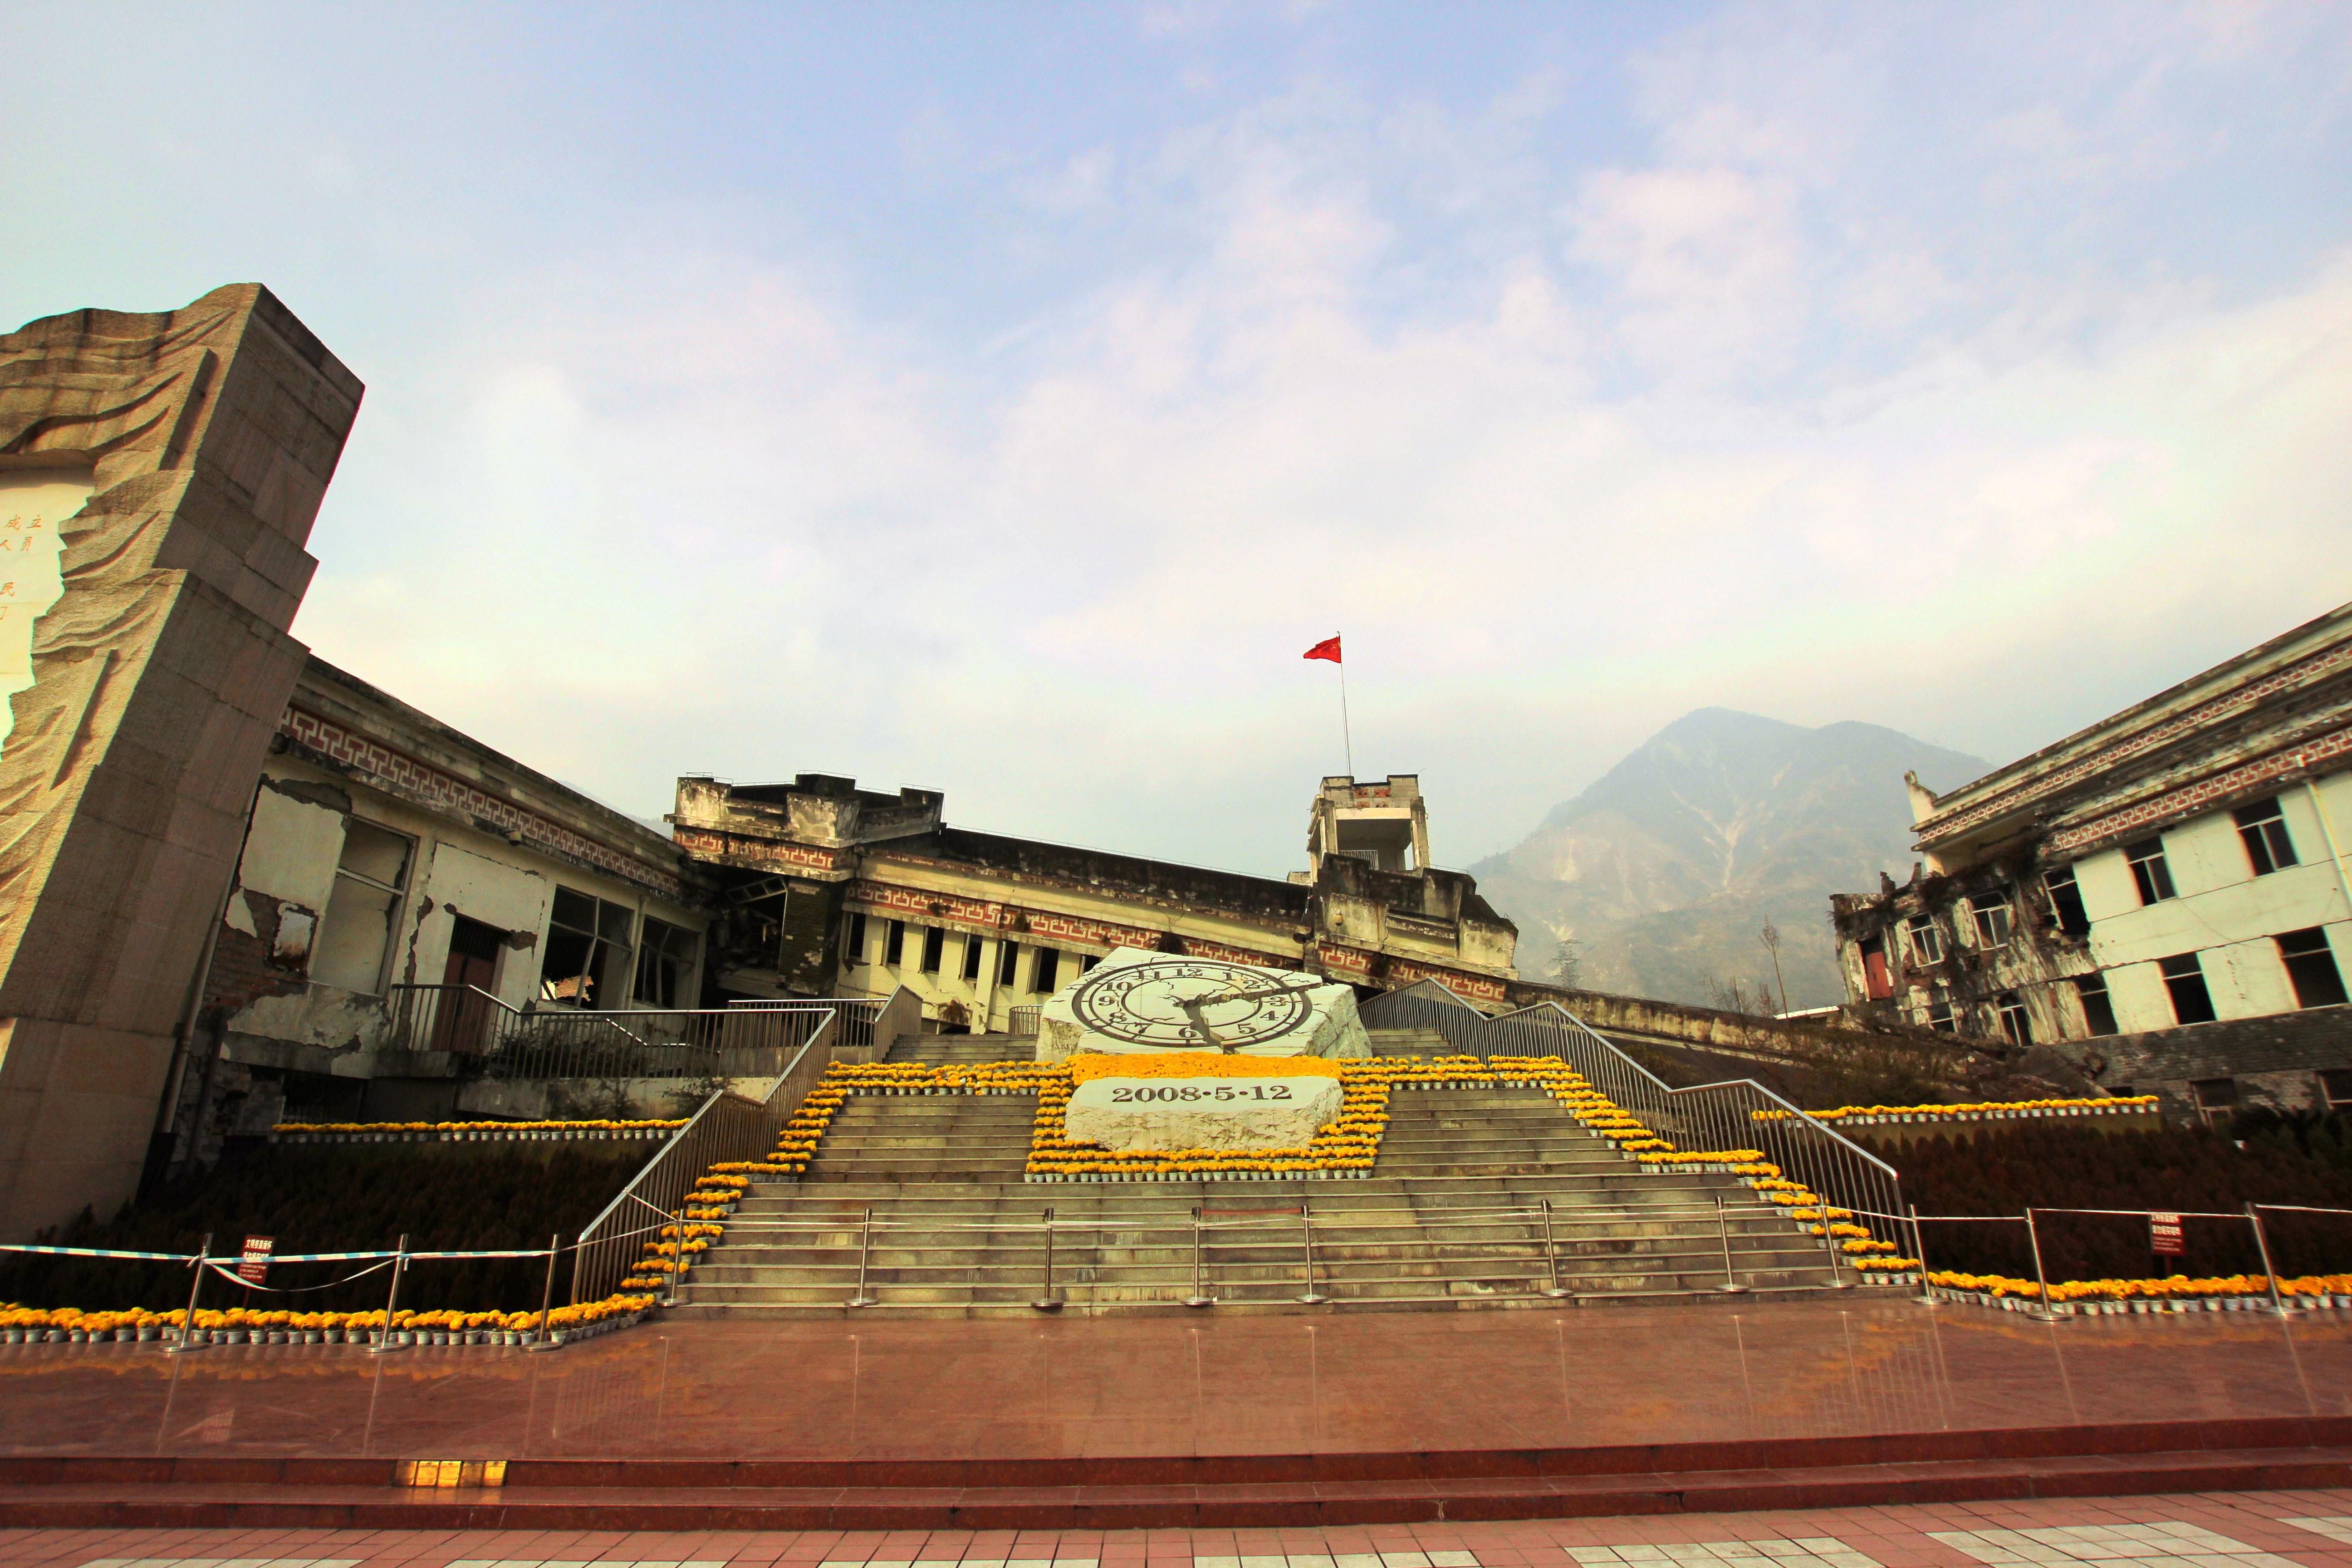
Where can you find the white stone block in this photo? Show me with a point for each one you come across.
(1138, 1002)
(1173, 1114)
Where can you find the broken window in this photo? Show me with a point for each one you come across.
(2311, 966)
(934, 946)
(853, 943)
(664, 962)
(894, 944)
(2014, 1024)
(2215, 1098)
(1926, 942)
(1939, 1014)
(2149, 872)
(2185, 978)
(1007, 957)
(2098, 1007)
(588, 951)
(2263, 829)
(971, 958)
(1049, 971)
(2336, 1088)
(2066, 900)
(355, 941)
(1991, 910)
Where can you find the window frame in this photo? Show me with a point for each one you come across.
(598, 959)
(853, 939)
(2335, 1089)
(894, 945)
(2311, 969)
(1008, 963)
(2151, 870)
(2210, 1110)
(2066, 907)
(2088, 986)
(2262, 828)
(1045, 974)
(393, 911)
(2016, 1020)
(1924, 939)
(934, 949)
(1989, 910)
(682, 964)
(2180, 972)
(971, 952)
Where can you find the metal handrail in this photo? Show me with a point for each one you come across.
(1702, 1117)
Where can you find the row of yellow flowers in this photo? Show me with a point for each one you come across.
(598, 1125)
(2178, 1288)
(1348, 1144)
(1972, 1107)
(16, 1321)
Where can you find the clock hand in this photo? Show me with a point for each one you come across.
(1193, 1009)
(1238, 995)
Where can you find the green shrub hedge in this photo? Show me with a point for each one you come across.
(2001, 1171)
(340, 1199)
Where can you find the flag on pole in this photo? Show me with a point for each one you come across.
(1327, 649)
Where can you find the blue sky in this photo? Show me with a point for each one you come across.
(999, 398)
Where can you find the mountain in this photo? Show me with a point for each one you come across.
(1667, 868)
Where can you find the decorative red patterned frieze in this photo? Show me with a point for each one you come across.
(2191, 799)
(1471, 987)
(929, 907)
(1345, 960)
(1195, 948)
(2101, 758)
(397, 774)
(765, 853)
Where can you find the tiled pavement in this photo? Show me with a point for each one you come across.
(2219, 1530)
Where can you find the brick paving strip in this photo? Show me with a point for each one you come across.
(2310, 1528)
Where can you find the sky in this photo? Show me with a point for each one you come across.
(999, 398)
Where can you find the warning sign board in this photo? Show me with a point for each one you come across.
(2164, 1236)
(253, 1266)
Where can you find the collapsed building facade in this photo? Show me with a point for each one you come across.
(2163, 893)
(830, 890)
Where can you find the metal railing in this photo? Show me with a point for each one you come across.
(501, 1041)
(1739, 1115)
(1021, 1022)
(727, 1127)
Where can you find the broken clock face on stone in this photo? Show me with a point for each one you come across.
(1193, 1004)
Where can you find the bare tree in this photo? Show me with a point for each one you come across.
(1770, 937)
(1749, 998)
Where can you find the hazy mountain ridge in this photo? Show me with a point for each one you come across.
(1667, 866)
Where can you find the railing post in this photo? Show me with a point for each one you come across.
(1731, 1285)
(2269, 1270)
(1200, 1296)
(2034, 1239)
(1046, 1302)
(1829, 1239)
(1552, 1257)
(865, 1251)
(383, 1344)
(539, 1340)
(1309, 1296)
(195, 1285)
(677, 1268)
(1927, 1296)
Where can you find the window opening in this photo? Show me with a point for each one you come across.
(2215, 1098)
(1049, 970)
(1926, 942)
(894, 944)
(1991, 910)
(588, 951)
(934, 946)
(665, 961)
(1939, 1014)
(1008, 955)
(2262, 828)
(971, 958)
(355, 941)
(2098, 1007)
(853, 943)
(2336, 1088)
(2311, 966)
(2014, 1022)
(2066, 901)
(2150, 872)
(2185, 978)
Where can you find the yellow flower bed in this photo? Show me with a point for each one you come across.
(1091, 1065)
(604, 1125)
(1347, 1145)
(2178, 1289)
(69, 1320)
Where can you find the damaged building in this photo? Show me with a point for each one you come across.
(830, 890)
(2164, 894)
(403, 898)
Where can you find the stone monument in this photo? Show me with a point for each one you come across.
(159, 475)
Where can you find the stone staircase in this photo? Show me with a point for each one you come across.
(1451, 1217)
(935, 1049)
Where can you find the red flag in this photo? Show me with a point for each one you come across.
(1327, 649)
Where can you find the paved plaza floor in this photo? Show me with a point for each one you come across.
(2219, 1529)
(878, 1388)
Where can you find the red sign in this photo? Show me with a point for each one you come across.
(2164, 1238)
(253, 1267)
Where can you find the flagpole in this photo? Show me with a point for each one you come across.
(1346, 734)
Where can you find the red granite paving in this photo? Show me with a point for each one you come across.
(1083, 1388)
